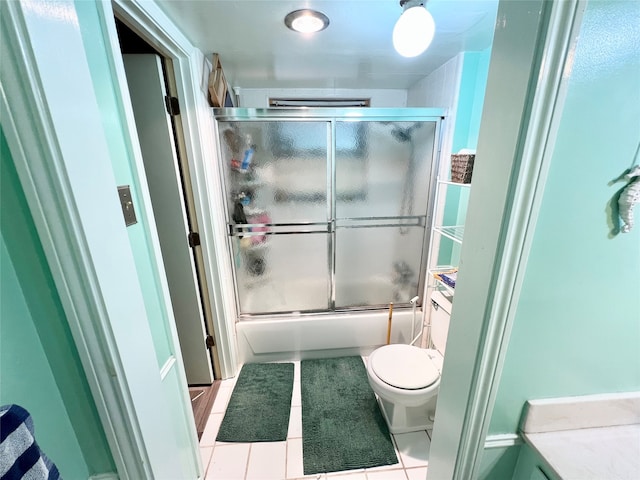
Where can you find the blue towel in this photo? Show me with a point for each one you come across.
(20, 456)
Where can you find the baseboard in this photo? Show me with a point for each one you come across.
(585, 411)
(502, 440)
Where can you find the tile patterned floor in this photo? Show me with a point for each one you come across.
(283, 460)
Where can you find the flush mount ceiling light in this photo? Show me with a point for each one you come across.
(414, 29)
(306, 21)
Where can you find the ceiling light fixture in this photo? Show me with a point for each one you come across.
(414, 29)
(306, 21)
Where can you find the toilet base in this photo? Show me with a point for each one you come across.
(401, 419)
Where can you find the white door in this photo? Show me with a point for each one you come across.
(60, 124)
(147, 90)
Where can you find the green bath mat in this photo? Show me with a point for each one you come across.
(260, 403)
(342, 426)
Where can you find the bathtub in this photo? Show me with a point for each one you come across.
(320, 336)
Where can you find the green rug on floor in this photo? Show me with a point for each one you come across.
(342, 425)
(260, 403)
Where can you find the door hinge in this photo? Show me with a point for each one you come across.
(194, 239)
(209, 341)
(172, 104)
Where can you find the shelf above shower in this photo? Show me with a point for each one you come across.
(457, 184)
(454, 232)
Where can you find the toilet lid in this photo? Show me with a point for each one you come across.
(404, 366)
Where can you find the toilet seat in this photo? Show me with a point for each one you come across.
(404, 366)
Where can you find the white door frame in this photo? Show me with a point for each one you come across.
(71, 192)
(198, 129)
(530, 65)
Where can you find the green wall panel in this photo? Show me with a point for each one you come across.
(499, 463)
(473, 83)
(39, 364)
(577, 324)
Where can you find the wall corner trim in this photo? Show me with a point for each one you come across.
(555, 36)
(502, 440)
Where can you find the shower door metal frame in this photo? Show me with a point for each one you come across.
(332, 116)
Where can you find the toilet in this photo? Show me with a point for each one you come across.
(406, 378)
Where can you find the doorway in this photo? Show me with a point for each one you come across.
(152, 88)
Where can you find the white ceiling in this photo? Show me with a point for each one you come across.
(355, 51)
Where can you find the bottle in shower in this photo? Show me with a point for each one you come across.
(249, 150)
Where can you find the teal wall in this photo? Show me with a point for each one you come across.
(577, 325)
(473, 83)
(121, 161)
(39, 364)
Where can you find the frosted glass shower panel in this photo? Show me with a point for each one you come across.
(377, 265)
(386, 171)
(282, 273)
(276, 171)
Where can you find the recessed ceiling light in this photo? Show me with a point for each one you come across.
(306, 21)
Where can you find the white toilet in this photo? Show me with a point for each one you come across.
(406, 378)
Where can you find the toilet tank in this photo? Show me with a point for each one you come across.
(439, 318)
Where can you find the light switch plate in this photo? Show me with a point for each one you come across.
(127, 205)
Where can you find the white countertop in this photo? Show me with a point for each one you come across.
(602, 453)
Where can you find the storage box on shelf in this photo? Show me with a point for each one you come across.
(462, 167)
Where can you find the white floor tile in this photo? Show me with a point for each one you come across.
(267, 461)
(430, 433)
(205, 454)
(229, 462)
(279, 460)
(296, 371)
(419, 473)
(295, 423)
(222, 399)
(295, 467)
(211, 430)
(413, 448)
(387, 475)
(296, 397)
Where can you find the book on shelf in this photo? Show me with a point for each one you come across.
(447, 277)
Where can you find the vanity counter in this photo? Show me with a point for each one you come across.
(603, 453)
(591, 437)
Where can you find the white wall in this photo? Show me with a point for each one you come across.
(440, 88)
(259, 97)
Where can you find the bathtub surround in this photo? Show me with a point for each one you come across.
(342, 426)
(259, 406)
(300, 337)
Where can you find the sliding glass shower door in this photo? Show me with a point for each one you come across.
(326, 211)
(381, 206)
